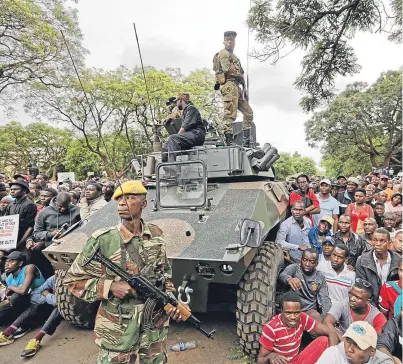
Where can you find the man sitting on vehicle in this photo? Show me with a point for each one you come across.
(309, 283)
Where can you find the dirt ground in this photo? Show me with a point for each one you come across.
(71, 345)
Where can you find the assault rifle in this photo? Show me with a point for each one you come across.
(153, 297)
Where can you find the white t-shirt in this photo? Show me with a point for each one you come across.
(336, 355)
(338, 284)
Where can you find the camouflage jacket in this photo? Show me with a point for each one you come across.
(230, 64)
(118, 322)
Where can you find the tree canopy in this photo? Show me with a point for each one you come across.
(290, 164)
(32, 48)
(363, 123)
(323, 30)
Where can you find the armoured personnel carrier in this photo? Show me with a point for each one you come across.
(219, 208)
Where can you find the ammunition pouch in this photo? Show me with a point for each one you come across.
(220, 76)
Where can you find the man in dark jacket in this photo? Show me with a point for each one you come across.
(191, 133)
(23, 207)
(390, 340)
(378, 265)
(50, 220)
(47, 225)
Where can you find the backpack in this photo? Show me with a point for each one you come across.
(398, 303)
(216, 63)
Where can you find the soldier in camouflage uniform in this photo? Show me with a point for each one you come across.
(230, 76)
(137, 247)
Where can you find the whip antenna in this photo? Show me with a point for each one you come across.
(144, 74)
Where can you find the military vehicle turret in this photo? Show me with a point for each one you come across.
(219, 208)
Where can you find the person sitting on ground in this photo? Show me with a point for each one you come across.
(338, 278)
(378, 265)
(357, 307)
(389, 222)
(359, 211)
(20, 280)
(307, 196)
(281, 336)
(390, 341)
(317, 234)
(41, 305)
(44, 295)
(45, 197)
(353, 241)
(395, 204)
(390, 297)
(358, 347)
(328, 245)
(293, 232)
(93, 200)
(396, 244)
(50, 220)
(369, 229)
(309, 283)
(379, 210)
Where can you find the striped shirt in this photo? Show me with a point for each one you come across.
(285, 340)
(338, 285)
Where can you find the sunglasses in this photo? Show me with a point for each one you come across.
(363, 282)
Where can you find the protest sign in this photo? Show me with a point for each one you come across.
(9, 231)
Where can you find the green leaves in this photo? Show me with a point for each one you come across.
(362, 123)
(323, 29)
(291, 164)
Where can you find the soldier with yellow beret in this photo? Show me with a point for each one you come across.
(137, 247)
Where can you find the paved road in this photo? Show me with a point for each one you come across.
(70, 345)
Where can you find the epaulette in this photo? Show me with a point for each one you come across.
(155, 230)
(99, 232)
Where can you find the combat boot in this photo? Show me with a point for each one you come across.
(229, 139)
(246, 138)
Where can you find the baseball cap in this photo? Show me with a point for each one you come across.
(384, 177)
(16, 255)
(363, 334)
(325, 180)
(328, 219)
(341, 176)
(328, 239)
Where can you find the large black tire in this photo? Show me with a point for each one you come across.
(73, 310)
(256, 294)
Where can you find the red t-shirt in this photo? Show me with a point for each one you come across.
(294, 196)
(388, 296)
(285, 340)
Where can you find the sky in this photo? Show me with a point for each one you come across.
(188, 34)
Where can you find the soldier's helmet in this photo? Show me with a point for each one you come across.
(230, 34)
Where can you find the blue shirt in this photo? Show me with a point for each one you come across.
(291, 236)
(39, 299)
(19, 280)
(313, 237)
(329, 206)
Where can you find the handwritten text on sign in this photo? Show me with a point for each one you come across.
(9, 231)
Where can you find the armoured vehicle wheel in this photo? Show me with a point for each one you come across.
(257, 295)
(72, 309)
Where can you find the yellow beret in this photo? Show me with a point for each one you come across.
(129, 188)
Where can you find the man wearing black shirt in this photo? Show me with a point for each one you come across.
(191, 133)
(23, 207)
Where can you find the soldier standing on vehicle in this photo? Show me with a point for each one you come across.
(230, 75)
(137, 247)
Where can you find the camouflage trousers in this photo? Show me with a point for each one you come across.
(152, 350)
(231, 95)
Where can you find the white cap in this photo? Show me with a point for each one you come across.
(363, 334)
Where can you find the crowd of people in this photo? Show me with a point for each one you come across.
(46, 210)
(341, 282)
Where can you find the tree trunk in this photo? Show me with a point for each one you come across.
(110, 173)
(54, 173)
(373, 159)
(386, 160)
